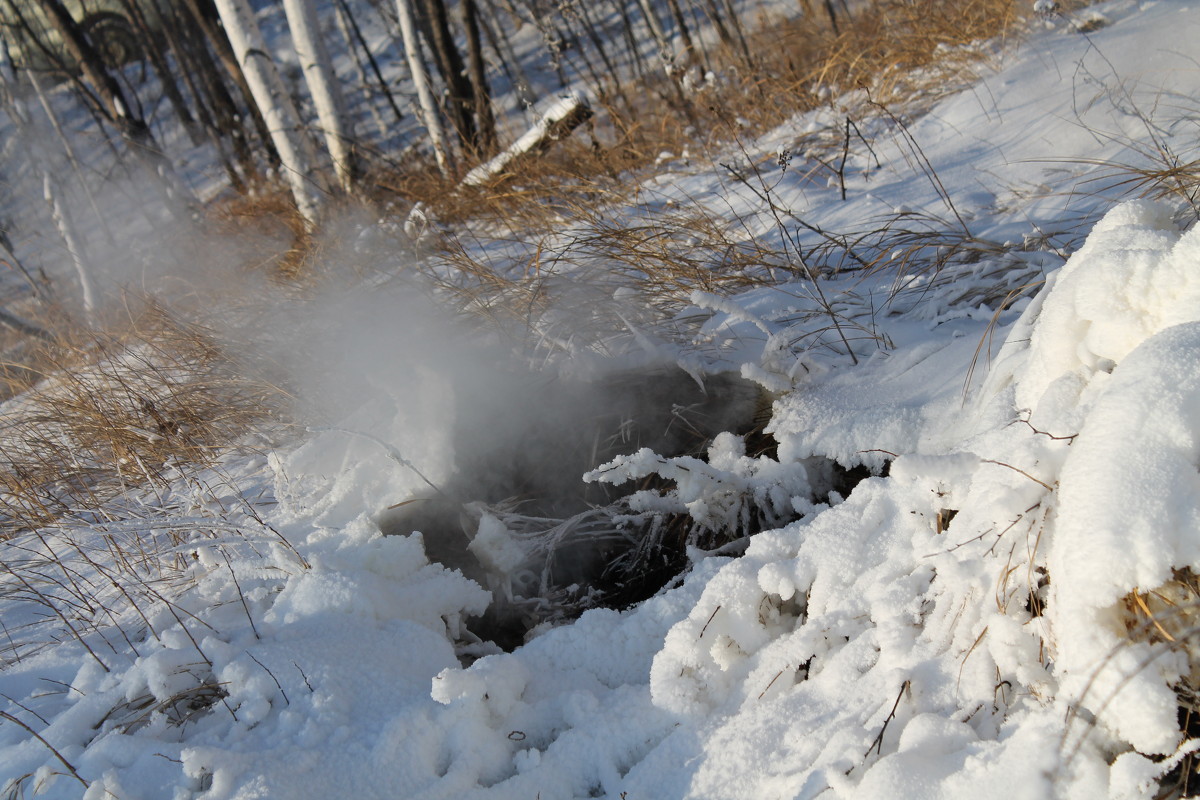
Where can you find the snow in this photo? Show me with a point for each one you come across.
(871, 645)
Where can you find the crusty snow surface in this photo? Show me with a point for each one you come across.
(864, 651)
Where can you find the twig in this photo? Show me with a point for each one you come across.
(302, 675)
(24, 708)
(392, 452)
(1049, 488)
(877, 744)
(926, 166)
(793, 240)
(841, 170)
(1067, 439)
(48, 746)
(44, 600)
(272, 674)
(241, 594)
(778, 675)
(706, 624)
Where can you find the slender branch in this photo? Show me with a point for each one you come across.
(50, 747)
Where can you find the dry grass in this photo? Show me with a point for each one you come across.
(1153, 166)
(268, 229)
(896, 49)
(559, 207)
(576, 172)
(114, 410)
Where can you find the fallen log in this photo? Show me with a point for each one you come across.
(563, 116)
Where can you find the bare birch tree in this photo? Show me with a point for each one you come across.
(204, 15)
(273, 101)
(51, 189)
(430, 115)
(460, 95)
(323, 86)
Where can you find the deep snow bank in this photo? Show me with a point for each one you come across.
(879, 653)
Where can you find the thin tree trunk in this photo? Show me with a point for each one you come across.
(107, 91)
(502, 47)
(323, 86)
(684, 33)
(53, 193)
(35, 286)
(735, 22)
(51, 190)
(189, 68)
(217, 36)
(166, 79)
(349, 27)
(192, 46)
(132, 127)
(461, 95)
(697, 14)
(714, 16)
(365, 90)
(196, 76)
(22, 121)
(597, 82)
(77, 167)
(832, 17)
(631, 39)
(598, 42)
(485, 121)
(416, 65)
(274, 102)
(666, 55)
(656, 28)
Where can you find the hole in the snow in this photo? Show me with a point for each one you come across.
(517, 517)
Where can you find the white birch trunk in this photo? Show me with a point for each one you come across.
(66, 228)
(272, 98)
(665, 53)
(63, 139)
(416, 65)
(322, 84)
(50, 187)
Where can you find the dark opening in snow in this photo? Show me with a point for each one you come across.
(518, 517)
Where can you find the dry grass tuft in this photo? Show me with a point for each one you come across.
(271, 234)
(115, 410)
(1169, 617)
(591, 168)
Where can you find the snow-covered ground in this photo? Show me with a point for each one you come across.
(975, 619)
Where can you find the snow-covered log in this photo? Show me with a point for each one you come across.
(563, 116)
(272, 98)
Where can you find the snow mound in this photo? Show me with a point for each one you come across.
(1133, 276)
